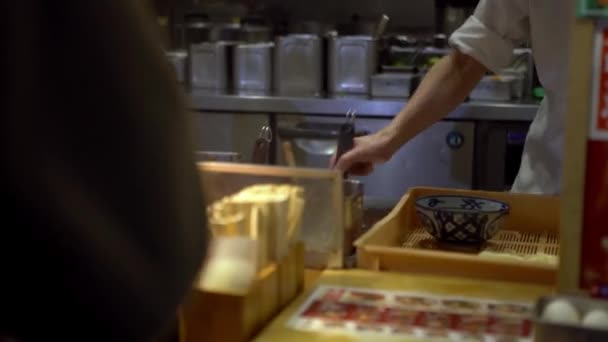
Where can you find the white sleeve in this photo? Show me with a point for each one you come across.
(491, 33)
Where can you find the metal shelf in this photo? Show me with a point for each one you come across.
(386, 108)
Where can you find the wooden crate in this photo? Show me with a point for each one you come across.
(214, 316)
(397, 242)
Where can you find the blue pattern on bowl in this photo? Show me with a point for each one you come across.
(462, 219)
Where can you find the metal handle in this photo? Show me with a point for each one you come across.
(261, 148)
(346, 137)
(322, 132)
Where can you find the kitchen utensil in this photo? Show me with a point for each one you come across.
(556, 332)
(289, 155)
(346, 136)
(253, 68)
(394, 84)
(298, 65)
(352, 61)
(208, 66)
(381, 26)
(353, 214)
(461, 219)
(261, 147)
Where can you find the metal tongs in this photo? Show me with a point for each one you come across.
(346, 136)
(261, 148)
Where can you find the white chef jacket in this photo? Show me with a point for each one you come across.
(489, 36)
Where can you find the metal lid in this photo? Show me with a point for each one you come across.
(356, 37)
(306, 36)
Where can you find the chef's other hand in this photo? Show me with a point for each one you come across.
(367, 151)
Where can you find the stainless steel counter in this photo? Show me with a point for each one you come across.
(513, 111)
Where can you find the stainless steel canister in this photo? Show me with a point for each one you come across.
(298, 65)
(352, 62)
(253, 68)
(208, 66)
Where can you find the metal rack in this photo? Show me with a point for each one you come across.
(367, 107)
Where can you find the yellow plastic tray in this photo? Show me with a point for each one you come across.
(526, 250)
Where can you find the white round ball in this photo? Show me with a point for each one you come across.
(561, 311)
(596, 319)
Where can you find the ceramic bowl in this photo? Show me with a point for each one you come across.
(461, 219)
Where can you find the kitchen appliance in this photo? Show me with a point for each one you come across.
(253, 68)
(209, 69)
(352, 61)
(353, 189)
(393, 84)
(441, 156)
(498, 150)
(298, 65)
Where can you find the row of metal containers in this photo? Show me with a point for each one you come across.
(291, 65)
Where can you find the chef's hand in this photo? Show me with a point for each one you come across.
(367, 151)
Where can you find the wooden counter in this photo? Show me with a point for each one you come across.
(277, 331)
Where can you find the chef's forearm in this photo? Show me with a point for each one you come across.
(446, 85)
